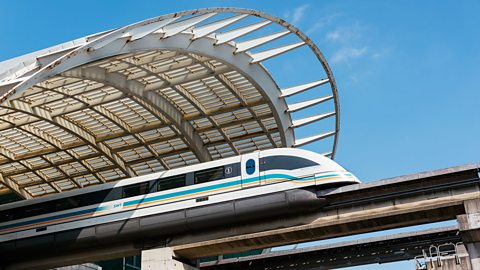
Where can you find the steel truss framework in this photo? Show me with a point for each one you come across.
(163, 93)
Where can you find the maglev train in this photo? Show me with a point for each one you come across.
(253, 185)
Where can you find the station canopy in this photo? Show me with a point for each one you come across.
(163, 93)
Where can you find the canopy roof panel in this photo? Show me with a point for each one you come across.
(164, 93)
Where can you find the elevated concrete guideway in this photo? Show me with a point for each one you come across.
(383, 249)
(391, 203)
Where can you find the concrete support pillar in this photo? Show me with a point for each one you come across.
(469, 226)
(162, 259)
(85, 266)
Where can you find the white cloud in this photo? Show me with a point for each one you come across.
(298, 13)
(349, 42)
(322, 22)
(346, 34)
(348, 53)
(380, 53)
(316, 26)
(333, 36)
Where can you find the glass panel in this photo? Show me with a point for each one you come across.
(135, 189)
(171, 182)
(285, 163)
(67, 203)
(250, 166)
(209, 175)
(36, 210)
(6, 216)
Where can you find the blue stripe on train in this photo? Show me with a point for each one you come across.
(182, 193)
(160, 197)
(66, 215)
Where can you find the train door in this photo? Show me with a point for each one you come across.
(250, 168)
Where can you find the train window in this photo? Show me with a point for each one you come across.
(93, 197)
(25, 211)
(134, 190)
(56, 205)
(67, 203)
(209, 175)
(6, 216)
(36, 210)
(171, 182)
(285, 163)
(250, 166)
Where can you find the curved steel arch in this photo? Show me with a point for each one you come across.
(119, 82)
(186, 32)
(56, 66)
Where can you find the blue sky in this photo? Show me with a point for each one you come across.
(408, 71)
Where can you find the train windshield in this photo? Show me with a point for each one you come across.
(285, 163)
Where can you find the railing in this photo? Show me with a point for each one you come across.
(436, 254)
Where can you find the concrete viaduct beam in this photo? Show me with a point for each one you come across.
(386, 204)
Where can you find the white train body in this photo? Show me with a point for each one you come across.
(230, 179)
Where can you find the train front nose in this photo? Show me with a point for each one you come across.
(335, 177)
(350, 177)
